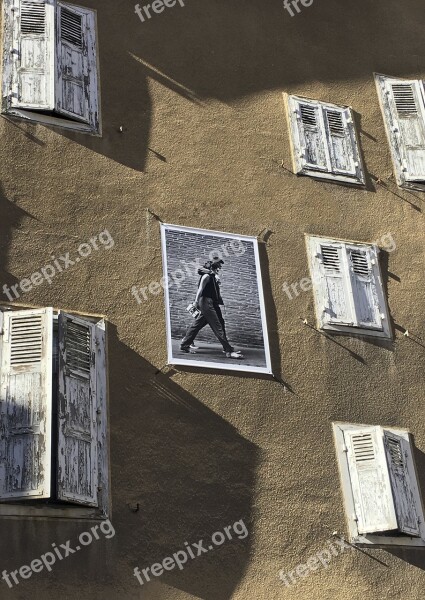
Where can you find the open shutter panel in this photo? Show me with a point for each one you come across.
(370, 483)
(77, 88)
(102, 415)
(399, 459)
(26, 404)
(311, 147)
(336, 297)
(364, 286)
(33, 50)
(77, 440)
(342, 142)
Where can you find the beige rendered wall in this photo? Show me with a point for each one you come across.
(198, 91)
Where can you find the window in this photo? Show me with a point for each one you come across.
(50, 71)
(53, 414)
(323, 141)
(403, 109)
(380, 487)
(347, 285)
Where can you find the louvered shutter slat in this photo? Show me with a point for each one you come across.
(26, 405)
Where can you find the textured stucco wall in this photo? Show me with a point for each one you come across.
(198, 93)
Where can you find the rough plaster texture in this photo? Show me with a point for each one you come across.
(198, 93)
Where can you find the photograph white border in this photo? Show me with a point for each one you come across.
(204, 364)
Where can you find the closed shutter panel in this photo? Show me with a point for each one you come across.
(364, 286)
(342, 142)
(336, 294)
(370, 482)
(399, 457)
(406, 100)
(26, 404)
(76, 94)
(403, 109)
(33, 49)
(310, 137)
(77, 440)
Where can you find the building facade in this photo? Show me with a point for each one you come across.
(190, 126)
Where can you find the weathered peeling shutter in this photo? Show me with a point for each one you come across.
(370, 482)
(399, 459)
(342, 142)
(32, 52)
(403, 108)
(77, 440)
(102, 415)
(308, 135)
(26, 404)
(336, 301)
(364, 284)
(77, 86)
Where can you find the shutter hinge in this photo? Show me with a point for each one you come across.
(99, 488)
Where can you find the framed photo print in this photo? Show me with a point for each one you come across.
(214, 300)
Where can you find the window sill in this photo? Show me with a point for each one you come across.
(331, 178)
(14, 511)
(346, 329)
(380, 541)
(40, 119)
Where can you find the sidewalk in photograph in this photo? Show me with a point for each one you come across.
(253, 357)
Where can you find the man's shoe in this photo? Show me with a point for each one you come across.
(187, 350)
(193, 347)
(234, 355)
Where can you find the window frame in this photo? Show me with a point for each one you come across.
(53, 508)
(292, 102)
(374, 539)
(55, 119)
(313, 261)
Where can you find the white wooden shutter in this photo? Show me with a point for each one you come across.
(334, 293)
(26, 404)
(30, 65)
(364, 282)
(324, 140)
(403, 107)
(77, 79)
(403, 480)
(370, 482)
(342, 142)
(77, 440)
(309, 135)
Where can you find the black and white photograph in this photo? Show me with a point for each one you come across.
(214, 300)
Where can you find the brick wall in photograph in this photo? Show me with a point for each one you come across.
(239, 285)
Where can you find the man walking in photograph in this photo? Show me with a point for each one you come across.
(208, 300)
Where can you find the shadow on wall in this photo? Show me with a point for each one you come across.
(415, 557)
(11, 218)
(185, 471)
(225, 50)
